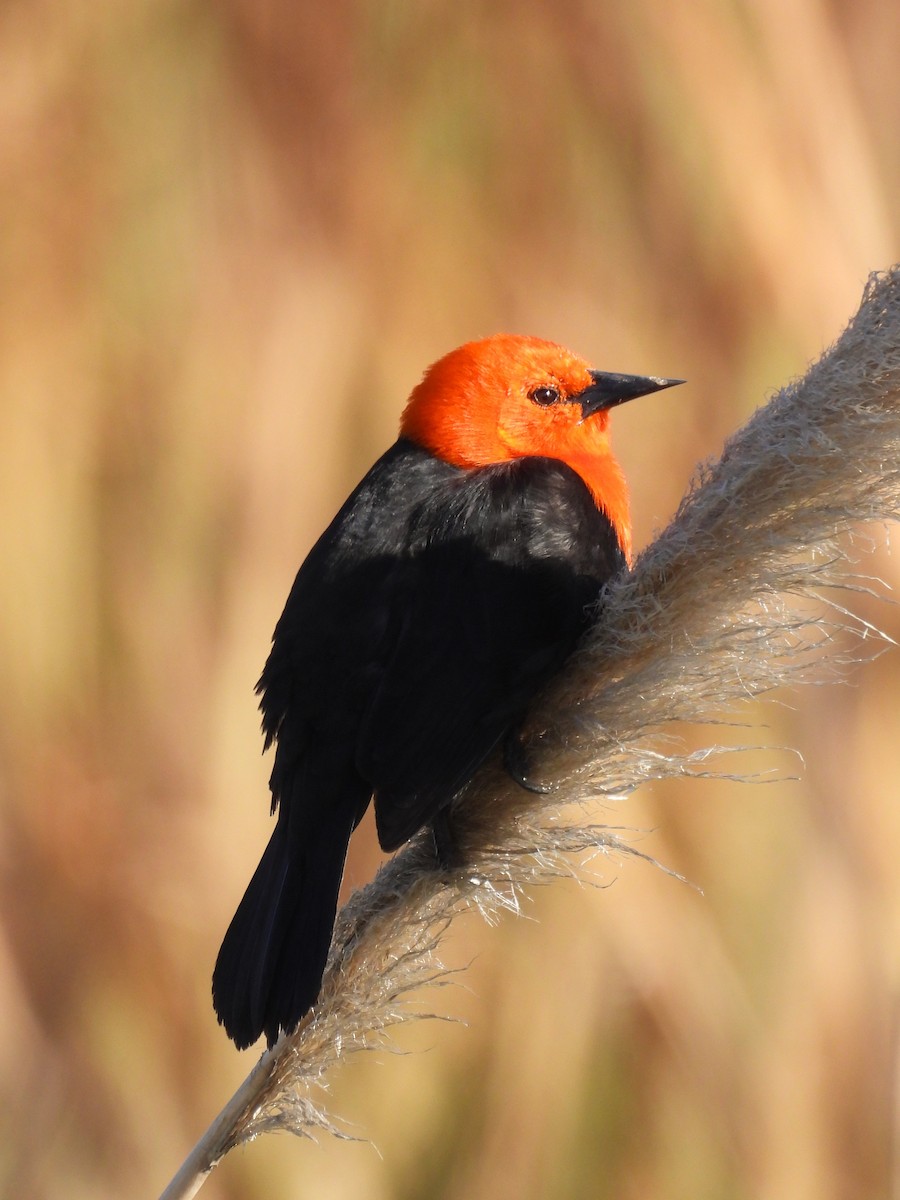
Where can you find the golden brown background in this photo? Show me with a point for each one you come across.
(231, 237)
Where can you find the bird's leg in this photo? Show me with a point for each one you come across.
(446, 847)
(515, 760)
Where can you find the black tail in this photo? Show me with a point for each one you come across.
(270, 966)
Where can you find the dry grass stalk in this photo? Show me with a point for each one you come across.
(716, 609)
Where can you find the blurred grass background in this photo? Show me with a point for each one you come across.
(231, 237)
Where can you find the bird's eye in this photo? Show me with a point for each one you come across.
(544, 396)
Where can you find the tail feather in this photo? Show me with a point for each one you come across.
(273, 956)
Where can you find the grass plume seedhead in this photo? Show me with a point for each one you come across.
(725, 604)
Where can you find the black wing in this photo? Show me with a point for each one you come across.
(503, 565)
(316, 685)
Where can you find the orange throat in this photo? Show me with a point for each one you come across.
(606, 483)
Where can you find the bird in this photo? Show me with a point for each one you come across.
(451, 586)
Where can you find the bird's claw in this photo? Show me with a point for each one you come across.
(515, 760)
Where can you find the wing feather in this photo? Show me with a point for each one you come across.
(503, 566)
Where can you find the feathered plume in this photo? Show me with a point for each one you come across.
(716, 610)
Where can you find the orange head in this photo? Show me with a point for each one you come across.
(512, 397)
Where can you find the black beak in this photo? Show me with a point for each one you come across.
(609, 389)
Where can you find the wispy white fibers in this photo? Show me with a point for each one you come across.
(725, 604)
